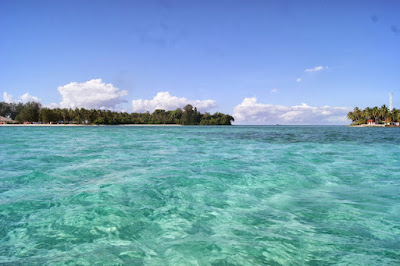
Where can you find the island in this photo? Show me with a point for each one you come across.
(34, 113)
(374, 117)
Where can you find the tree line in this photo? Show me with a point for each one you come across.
(34, 112)
(379, 115)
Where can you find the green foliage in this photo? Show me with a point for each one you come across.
(47, 115)
(379, 115)
(189, 115)
(10, 110)
(29, 113)
(33, 112)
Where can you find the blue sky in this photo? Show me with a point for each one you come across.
(224, 51)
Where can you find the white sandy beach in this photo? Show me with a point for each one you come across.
(368, 126)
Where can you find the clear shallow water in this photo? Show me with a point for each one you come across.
(199, 195)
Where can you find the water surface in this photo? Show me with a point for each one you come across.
(229, 195)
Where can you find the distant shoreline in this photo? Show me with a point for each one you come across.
(365, 125)
(83, 125)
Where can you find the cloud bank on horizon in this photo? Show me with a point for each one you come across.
(164, 100)
(95, 94)
(24, 98)
(254, 113)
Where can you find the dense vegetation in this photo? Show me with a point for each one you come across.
(379, 115)
(33, 112)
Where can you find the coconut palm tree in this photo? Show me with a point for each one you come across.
(383, 112)
(396, 115)
(390, 117)
(375, 113)
(357, 113)
(368, 113)
(351, 116)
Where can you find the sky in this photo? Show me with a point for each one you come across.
(264, 62)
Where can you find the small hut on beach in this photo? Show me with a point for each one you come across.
(5, 120)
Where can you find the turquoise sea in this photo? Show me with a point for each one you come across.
(227, 195)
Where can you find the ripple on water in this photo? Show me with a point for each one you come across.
(199, 195)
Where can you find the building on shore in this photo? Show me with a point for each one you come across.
(5, 120)
(371, 122)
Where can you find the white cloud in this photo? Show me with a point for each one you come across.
(91, 94)
(164, 100)
(252, 112)
(24, 98)
(274, 90)
(298, 80)
(29, 98)
(8, 98)
(51, 105)
(315, 69)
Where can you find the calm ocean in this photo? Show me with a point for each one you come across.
(227, 195)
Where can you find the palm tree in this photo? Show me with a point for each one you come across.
(396, 115)
(71, 114)
(375, 113)
(368, 113)
(357, 113)
(384, 112)
(351, 116)
(390, 117)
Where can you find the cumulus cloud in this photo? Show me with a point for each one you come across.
(315, 69)
(252, 112)
(164, 100)
(26, 97)
(51, 105)
(91, 94)
(298, 80)
(8, 98)
(274, 90)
